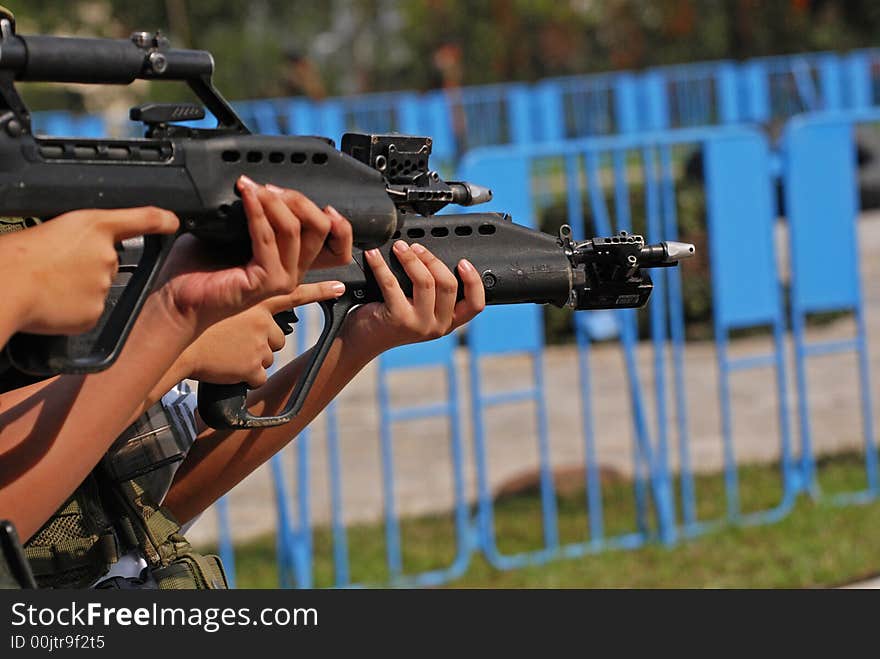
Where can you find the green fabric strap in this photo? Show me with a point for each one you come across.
(73, 554)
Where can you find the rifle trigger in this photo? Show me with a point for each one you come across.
(286, 320)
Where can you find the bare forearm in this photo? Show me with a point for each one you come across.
(219, 460)
(53, 433)
(7, 328)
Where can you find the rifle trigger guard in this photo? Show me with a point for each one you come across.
(224, 406)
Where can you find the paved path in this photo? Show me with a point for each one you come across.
(421, 455)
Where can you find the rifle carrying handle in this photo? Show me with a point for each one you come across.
(48, 355)
(224, 406)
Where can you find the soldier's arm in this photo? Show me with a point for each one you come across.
(221, 459)
(53, 433)
(56, 275)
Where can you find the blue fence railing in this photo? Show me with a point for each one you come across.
(760, 90)
(607, 179)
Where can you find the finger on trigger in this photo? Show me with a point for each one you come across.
(306, 294)
(317, 292)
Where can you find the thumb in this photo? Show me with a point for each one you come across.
(306, 294)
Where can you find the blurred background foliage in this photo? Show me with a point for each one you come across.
(292, 47)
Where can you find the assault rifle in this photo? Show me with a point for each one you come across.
(382, 184)
(517, 265)
(189, 171)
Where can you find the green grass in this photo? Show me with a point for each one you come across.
(817, 544)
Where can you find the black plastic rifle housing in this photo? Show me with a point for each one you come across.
(381, 183)
(516, 264)
(191, 172)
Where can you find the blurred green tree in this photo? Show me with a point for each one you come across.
(374, 45)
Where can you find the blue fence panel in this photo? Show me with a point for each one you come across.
(261, 117)
(509, 168)
(857, 87)
(438, 354)
(822, 205)
(653, 101)
(700, 94)
(293, 533)
(225, 546)
(584, 106)
(754, 92)
(746, 292)
(67, 124)
(504, 331)
(777, 88)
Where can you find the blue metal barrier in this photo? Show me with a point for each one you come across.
(858, 89)
(293, 534)
(294, 547)
(777, 88)
(489, 334)
(700, 94)
(822, 208)
(488, 114)
(67, 124)
(746, 293)
(225, 546)
(507, 170)
(439, 354)
(759, 90)
(584, 106)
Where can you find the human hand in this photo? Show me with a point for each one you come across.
(324, 248)
(62, 269)
(432, 311)
(240, 348)
(202, 291)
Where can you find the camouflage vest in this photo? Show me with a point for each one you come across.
(116, 510)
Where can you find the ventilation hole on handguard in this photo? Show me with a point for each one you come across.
(486, 229)
(85, 152)
(439, 232)
(415, 233)
(463, 231)
(231, 156)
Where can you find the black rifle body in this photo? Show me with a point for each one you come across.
(516, 264)
(381, 183)
(189, 171)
